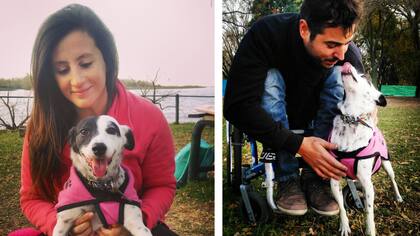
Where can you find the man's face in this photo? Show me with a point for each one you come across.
(329, 47)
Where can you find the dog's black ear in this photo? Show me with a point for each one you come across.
(129, 140)
(381, 101)
(72, 137)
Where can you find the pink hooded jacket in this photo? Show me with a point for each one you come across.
(375, 149)
(151, 162)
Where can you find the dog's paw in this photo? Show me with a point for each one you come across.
(399, 199)
(345, 232)
(345, 229)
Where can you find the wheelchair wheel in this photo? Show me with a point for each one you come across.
(349, 202)
(259, 207)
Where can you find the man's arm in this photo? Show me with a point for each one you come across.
(257, 53)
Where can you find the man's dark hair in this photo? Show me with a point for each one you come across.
(321, 14)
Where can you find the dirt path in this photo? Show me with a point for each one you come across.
(403, 102)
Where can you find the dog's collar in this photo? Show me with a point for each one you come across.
(103, 185)
(354, 120)
(107, 186)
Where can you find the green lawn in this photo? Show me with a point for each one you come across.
(400, 123)
(193, 203)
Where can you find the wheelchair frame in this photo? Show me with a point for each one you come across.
(239, 178)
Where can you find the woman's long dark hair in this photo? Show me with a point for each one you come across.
(52, 114)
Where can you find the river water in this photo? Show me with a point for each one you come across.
(23, 107)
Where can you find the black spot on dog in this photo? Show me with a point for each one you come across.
(113, 129)
(83, 133)
(66, 221)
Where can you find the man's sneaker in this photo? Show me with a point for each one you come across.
(318, 194)
(290, 198)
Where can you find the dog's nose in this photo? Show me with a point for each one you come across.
(99, 149)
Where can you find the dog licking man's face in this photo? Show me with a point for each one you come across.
(97, 143)
(359, 92)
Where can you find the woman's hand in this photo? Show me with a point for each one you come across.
(115, 230)
(314, 151)
(83, 225)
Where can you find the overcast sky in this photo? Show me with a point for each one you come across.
(175, 37)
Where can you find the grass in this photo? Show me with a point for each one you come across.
(192, 212)
(401, 128)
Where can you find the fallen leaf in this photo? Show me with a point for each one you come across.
(404, 216)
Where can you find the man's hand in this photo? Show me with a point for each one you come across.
(314, 151)
(83, 225)
(115, 230)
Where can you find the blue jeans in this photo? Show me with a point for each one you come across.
(274, 103)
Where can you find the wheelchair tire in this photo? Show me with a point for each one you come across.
(349, 202)
(259, 206)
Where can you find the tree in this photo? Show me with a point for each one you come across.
(11, 109)
(236, 17)
(377, 29)
(146, 89)
(262, 8)
(385, 38)
(410, 11)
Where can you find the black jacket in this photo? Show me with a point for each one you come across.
(275, 42)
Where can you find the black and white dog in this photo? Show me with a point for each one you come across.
(98, 182)
(361, 146)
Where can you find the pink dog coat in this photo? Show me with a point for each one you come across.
(375, 149)
(108, 205)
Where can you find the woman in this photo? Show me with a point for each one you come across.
(74, 70)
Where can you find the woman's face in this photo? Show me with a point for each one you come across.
(80, 72)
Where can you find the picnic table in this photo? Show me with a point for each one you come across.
(206, 115)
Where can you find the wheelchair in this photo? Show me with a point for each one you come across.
(254, 207)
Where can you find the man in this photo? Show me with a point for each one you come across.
(284, 76)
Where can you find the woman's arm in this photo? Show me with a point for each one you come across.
(158, 168)
(39, 212)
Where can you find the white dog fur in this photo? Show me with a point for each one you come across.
(360, 100)
(108, 132)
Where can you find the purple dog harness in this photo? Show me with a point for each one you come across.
(108, 205)
(375, 149)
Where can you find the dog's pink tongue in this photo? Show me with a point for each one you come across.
(346, 68)
(99, 167)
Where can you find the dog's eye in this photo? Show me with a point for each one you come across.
(111, 130)
(84, 132)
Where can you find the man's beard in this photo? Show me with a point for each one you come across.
(330, 61)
